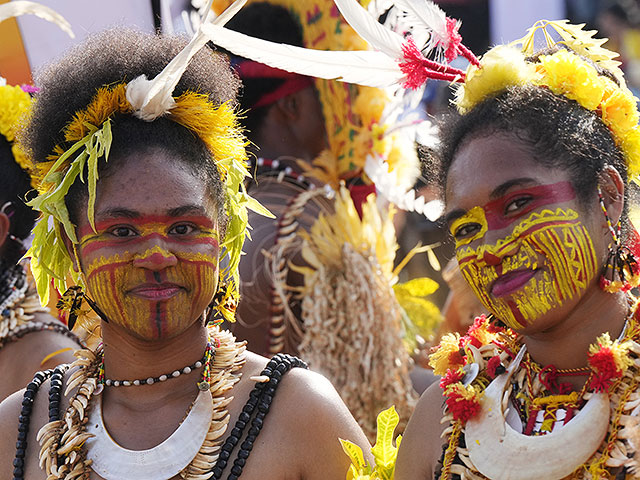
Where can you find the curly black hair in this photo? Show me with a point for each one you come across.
(120, 55)
(15, 186)
(559, 133)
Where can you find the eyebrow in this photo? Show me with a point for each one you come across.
(186, 210)
(173, 212)
(497, 192)
(503, 188)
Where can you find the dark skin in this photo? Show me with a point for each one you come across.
(560, 337)
(299, 439)
(293, 130)
(30, 351)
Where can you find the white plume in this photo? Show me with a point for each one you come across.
(151, 99)
(386, 183)
(17, 8)
(375, 34)
(426, 20)
(368, 68)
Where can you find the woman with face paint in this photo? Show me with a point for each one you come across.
(30, 338)
(140, 189)
(547, 385)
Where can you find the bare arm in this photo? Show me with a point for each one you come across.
(317, 420)
(421, 445)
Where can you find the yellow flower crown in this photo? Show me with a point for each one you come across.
(90, 133)
(565, 73)
(14, 105)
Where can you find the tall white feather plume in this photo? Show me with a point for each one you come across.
(368, 68)
(17, 8)
(375, 34)
(153, 98)
(387, 185)
(425, 18)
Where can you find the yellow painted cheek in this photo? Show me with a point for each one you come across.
(568, 258)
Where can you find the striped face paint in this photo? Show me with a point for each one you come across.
(547, 259)
(153, 275)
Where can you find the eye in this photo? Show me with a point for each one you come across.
(516, 204)
(123, 232)
(466, 230)
(182, 229)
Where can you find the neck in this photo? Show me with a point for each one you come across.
(129, 358)
(277, 141)
(566, 344)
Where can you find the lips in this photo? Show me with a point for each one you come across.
(511, 282)
(156, 291)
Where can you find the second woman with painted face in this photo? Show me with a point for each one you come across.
(546, 386)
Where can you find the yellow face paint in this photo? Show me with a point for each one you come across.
(475, 216)
(547, 259)
(154, 294)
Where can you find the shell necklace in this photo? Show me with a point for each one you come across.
(68, 447)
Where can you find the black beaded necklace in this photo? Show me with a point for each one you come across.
(257, 408)
(24, 421)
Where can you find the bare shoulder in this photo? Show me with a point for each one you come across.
(306, 421)
(421, 445)
(10, 412)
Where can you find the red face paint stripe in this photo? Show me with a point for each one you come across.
(543, 195)
(95, 245)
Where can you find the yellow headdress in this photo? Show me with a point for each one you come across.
(89, 132)
(568, 72)
(14, 105)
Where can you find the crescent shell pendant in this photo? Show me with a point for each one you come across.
(499, 452)
(164, 461)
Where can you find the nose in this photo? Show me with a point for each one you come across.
(490, 258)
(155, 259)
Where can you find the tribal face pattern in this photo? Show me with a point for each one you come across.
(549, 250)
(158, 278)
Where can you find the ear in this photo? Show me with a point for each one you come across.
(289, 107)
(5, 225)
(71, 250)
(612, 187)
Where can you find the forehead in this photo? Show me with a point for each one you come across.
(151, 183)
(483, 165)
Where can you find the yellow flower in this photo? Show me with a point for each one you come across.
(446, 355)
(567, 74)
(14, 103)
(502, 66)
(618, 108)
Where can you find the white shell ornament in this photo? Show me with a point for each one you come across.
(499, 452)
(113, 462)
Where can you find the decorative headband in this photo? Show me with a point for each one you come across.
(89, 133)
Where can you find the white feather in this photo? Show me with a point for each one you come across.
(151, 99)
(375, 34)
(368, 68)
(17, 8)
(386, 183)
(425, 17)
(229, 13)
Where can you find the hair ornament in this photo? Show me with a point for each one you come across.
(569, 72)
(89, 136)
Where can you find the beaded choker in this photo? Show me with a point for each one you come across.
(207, 358)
